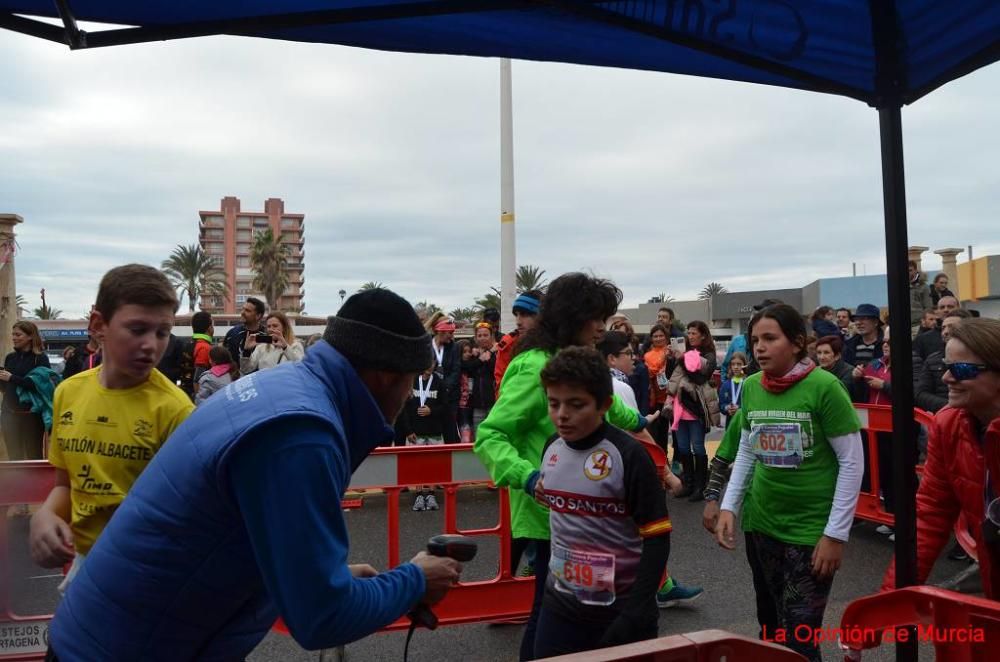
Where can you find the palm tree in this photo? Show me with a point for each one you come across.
(194, 273)
(22, 305)
(711, 289)
(466, 314)
(268, 259)
(47, 312)
(371, 285)
(489, 300)
(425, 309)
(529, 277)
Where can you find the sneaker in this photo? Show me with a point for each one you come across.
(884, 530)
(678, 595)
(892, 537)
(527, 571)
(419, 504)
(430, 503)
(958, 554)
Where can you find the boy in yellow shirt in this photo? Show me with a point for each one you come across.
(109, 421)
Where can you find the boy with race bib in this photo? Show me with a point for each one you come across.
(608, 517)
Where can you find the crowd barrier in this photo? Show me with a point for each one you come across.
(875, 419)
(703, 646)
(21, 637)
(962, 628)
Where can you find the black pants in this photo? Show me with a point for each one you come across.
(22, 432)
(790, 599)
(542, 552)
(558, 635)
(885, 480)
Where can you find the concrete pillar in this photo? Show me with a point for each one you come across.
(8, 281)
(916, 252)
(949, 265)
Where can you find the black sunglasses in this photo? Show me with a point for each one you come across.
(962, 371)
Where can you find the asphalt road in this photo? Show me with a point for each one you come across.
(727, 603)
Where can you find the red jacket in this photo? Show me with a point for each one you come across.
(504, 353)
(952, 483)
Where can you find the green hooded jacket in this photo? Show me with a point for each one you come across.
(510, 441)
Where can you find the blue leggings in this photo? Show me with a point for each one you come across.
(691, 437)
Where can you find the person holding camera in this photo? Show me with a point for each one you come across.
(251, 316)
(275, 345)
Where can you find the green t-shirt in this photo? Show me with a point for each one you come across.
(510, 441)
(795, 474)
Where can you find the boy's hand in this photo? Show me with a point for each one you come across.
(674, 484)
(50, 540)
(423, 411)
(826, 557)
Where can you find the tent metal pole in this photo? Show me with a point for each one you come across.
(508, 246)
(904, 437)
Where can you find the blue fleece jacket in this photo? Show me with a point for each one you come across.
(237, 520)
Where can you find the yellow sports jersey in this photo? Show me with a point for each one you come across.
(103, 438)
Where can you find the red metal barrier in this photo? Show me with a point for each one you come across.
(878, 418)
(962, 628)
(21, 637)
(703, 646)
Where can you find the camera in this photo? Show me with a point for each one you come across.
(264, 338)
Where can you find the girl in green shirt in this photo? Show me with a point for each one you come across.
(800, 447)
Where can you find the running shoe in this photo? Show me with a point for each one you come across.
(430, 503)
(527, 571)
(419, 504)
(678, 595)
(884, 530)
(892, 537)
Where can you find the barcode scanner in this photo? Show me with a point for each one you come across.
(460, 548)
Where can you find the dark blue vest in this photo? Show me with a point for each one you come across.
(173, 576)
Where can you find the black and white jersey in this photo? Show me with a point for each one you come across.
(604, 497)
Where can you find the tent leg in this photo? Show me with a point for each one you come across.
(904, 447)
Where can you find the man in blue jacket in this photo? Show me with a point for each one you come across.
(237, 520)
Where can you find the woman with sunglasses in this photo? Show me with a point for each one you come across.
(962, 471)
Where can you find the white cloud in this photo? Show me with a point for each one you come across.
(661, 182)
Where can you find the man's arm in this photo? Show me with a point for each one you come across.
(288, 480)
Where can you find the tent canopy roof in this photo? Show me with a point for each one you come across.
(818, 45)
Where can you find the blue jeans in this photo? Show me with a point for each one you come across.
(691, 437)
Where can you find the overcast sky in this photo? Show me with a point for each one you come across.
(660, 182)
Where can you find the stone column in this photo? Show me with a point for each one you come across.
(8, 281)
(916, 252)
(949, 265)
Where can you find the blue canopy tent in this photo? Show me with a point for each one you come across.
(886, 53)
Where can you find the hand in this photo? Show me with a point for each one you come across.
(540, 493)
(678, 354)
(710, 516)
(858, 372)
(440, 574)
(875, 383)
(652, 417)
(250, 342)
(725, 530)
(826, 557)
(362, 570)
(278, 341)
(423, 410)
(673, 483)
(50, 540)
(484, 356)
(4, 376)
(731, 410)
(411, 438)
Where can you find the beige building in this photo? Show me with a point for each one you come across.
(227, 235)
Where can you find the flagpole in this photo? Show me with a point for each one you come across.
(508, 258)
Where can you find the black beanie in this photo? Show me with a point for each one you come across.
(378, 329)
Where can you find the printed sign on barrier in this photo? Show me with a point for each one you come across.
(28, 637)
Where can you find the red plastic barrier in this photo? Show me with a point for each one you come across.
(703, 646)
(21, 637)
(878, 418)
(962, 628)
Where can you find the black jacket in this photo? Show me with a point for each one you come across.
(451, 368)
(928, 343)
(81, 360)
(929, 390)
(845, 373)
(409, 422)
(19, 364)
(480, 374)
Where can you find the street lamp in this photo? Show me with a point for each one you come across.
(342, 293)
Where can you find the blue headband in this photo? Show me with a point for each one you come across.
(526, 303)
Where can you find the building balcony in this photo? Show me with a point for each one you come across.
(294, 266)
